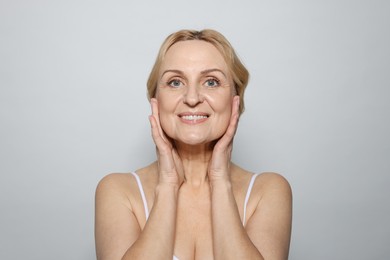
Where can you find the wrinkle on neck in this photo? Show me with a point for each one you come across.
(195, 161)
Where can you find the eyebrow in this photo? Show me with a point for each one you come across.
(212, 70)
(202, 72)
(173, 71)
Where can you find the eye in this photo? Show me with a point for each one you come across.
(212, 83)
(175, 83)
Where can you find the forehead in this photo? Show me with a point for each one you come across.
(193, 54)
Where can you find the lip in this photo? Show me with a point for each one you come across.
(193, 118)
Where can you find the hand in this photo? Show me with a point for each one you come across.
(170, 167)
(219, 167)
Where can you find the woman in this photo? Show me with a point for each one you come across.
(193, 202)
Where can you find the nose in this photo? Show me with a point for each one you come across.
(193, 95)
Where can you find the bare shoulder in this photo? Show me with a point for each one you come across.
(271, 181)
(114, 182)
(117, 215)
(122, 188)
(265, 182)
(125, 182)
(269, 225)
(273, 188)
(115, 188)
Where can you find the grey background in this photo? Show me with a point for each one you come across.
(73, 108)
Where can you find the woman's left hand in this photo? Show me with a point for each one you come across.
(219, 167)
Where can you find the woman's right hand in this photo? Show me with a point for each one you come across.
(170, 167)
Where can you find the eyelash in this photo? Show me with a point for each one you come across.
(213, 79)
(172, 81)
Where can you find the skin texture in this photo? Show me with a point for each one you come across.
(195, 193)
(194, 75)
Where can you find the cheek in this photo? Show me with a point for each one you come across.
(221, 104)
(167, 124)
(166, 108)
(222, 107)
(165, 104)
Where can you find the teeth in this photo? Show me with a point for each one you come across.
(193, 117)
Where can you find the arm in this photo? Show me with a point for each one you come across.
(268, 230)
(157, 238)
(267, 234)
(269, 227)
(118, 235)
(230, 238)
(117, 232)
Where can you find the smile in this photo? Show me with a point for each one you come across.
(193, 118)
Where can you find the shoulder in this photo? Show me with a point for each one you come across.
(272, 199)
(114, 181)
(272, 180)
(267, 186)
(119, 192)
(127, 181)
(269, 224)
(123, 186)
(116, 188)
(263, 181)
(274, 189)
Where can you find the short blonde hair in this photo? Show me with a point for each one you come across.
(239, 73)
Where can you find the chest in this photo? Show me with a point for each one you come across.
(193, 237)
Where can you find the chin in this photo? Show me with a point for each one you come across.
(197, 140)
(192, 141)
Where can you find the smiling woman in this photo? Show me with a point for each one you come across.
(193, 202)
(195, 93)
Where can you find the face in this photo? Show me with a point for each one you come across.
(194, 93)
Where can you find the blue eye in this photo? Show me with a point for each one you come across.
(212, 83)
(175, 83)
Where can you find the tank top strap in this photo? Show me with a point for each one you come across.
(248, 193)
(141, 190)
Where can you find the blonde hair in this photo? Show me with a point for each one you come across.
(239, 73)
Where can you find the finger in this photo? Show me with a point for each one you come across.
(235, 114)
(227, 138)
(236, 105)
(165, 160)
(153, 104)
(156, 115)
(158, 140)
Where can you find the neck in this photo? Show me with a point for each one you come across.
(195, 161)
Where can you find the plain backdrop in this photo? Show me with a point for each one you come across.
(73, 108)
